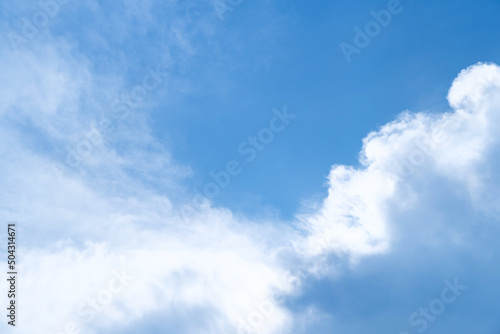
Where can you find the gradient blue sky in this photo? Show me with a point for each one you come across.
(270, 54)
(388, 242)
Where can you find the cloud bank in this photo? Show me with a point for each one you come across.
(109, 247)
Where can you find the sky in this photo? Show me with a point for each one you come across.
(234, 166)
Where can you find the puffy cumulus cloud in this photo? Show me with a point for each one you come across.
(115, 285)
(403, 162)
(76, 240)
(106, 251)
(424, 206)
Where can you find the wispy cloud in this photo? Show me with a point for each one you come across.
(116, 212)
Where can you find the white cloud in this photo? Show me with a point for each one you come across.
(76, 229)
(354, 218)
(204, 258)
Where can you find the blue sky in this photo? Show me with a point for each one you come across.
(378, 192)
(408, 66)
